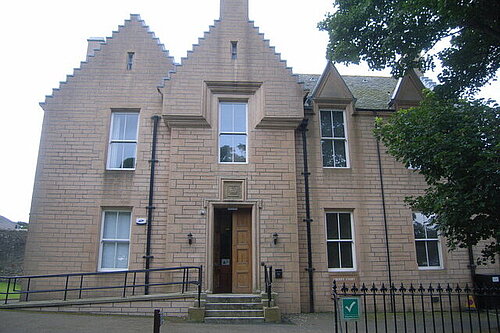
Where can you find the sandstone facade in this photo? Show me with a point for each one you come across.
(131, 73)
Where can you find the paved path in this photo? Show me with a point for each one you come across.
(17, 321)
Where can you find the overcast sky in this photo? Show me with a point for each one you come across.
(42, 41)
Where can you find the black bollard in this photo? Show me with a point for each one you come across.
(157, 321)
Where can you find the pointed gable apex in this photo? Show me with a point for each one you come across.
(331, 86)
(408, 91)
(233, 60)
(106, 65)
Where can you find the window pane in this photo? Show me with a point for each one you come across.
(240, 117)
(431, 232)
(233, 148)
(122, 155)
(332, 226)
(345, 226)
(108, 255)
(419, 230)
(240, 148)
(123, 226)
(421, 254)
(109, 228)
(116, 155)
(226, 117)
(130, 131)
(121, 255)
(128, 155)
(346, 254)
(333, 255)
(338, 124)
(326, 124)
(433, 252)
(327, 150)
(233, 117)
(340, 155)
(226, 149)
(118, 129)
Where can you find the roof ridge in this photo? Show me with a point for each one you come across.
(373, 76)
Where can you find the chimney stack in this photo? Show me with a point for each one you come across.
(234, 10)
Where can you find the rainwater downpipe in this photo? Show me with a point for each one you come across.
(472, 265)
(382, 194)
(150, 207)
(308, 220)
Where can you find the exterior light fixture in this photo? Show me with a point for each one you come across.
(190, 238)
(275, 238)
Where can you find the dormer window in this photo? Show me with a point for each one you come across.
(334, 139)
(130, 60)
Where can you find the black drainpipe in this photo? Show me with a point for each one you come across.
(150, 206)
(308, 220)
(382, 193)
(472, 265)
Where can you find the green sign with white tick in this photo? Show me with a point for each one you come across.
(350, 308)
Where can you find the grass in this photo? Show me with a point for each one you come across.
(3, 289)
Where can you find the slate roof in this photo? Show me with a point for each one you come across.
(371, 92)
(309, 81)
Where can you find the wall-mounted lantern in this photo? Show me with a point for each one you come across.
(275, 238)
(190, 238)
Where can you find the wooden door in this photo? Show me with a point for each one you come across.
(242, 251)
(222, 251)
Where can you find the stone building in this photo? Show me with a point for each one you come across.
(229, 181)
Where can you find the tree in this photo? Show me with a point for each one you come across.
(450, 138)
(401, 33)
(455, 145)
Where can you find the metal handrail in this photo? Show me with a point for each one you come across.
(268, 281)
(126, 285)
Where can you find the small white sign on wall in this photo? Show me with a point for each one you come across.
(140, 220)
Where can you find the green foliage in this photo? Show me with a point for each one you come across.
(3, 289)
(400, 33)
(455, 145)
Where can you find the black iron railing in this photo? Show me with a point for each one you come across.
(268, 282)
(443, 308)
(127, 282)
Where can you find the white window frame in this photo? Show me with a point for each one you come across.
(352, 241)
(425, 241)
(220, 133)
(111, 141)
(110, 240)
(333, 139)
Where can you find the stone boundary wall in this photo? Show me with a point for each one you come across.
(12, 244)
(171, 308)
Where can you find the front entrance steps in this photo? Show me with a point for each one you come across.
(238, 309)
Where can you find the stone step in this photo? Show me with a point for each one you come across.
(233, 306)
(233, 298)
(234, 320)
(234, 313)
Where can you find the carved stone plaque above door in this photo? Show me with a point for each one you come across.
(233, 190)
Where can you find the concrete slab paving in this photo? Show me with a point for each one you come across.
(17, 321)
